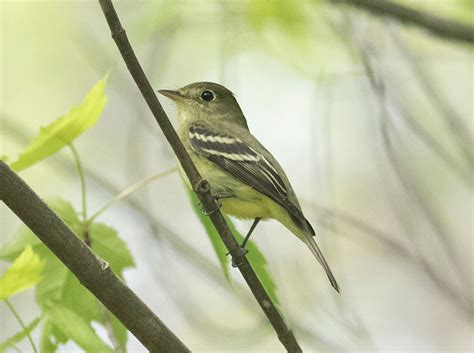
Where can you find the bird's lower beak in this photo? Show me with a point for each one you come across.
(173, 95)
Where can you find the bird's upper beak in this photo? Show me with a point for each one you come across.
(173, 95)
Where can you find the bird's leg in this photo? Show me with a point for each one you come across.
(243, 251)
(252, 227)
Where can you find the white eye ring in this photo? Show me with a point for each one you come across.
(208, 96)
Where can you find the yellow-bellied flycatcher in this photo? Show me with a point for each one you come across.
(244, 176)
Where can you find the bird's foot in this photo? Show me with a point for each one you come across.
(212, 210)
(237, 259)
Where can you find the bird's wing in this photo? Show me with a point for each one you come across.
(246, 164)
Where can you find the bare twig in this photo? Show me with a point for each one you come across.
(439, 26)
(92, 272)
(129, 190)
(460, 131)
(200, 186)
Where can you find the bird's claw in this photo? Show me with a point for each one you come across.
(237, 259)
(216, 208)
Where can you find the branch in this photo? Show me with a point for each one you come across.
(200, 186)
(439, 26)
(92, 272)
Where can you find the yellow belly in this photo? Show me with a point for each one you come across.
(246, 209)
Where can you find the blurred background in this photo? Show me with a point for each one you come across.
(370, 117)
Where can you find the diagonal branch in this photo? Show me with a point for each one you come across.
(200, 186)
(439, 26)
(93, 273)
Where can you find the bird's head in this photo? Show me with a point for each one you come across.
(206, 100)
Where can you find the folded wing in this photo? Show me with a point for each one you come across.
(246, 164)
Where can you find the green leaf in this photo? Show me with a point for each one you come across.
(47, 345)
(214, 237)
(23, 274)
(67, 213)
(63, 288)
(76, 328)
(60, 287)
(107, 245)
(258, 262)
(26, 237)
(64, 129)
(22, 239)
(13, 340)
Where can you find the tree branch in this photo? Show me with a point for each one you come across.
(200, 186)
(439, 26)
(92, 272)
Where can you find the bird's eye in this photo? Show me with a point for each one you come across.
(207, 96)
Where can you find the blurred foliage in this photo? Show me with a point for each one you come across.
(298, 33)
(20, 336)
(454, 9)
(288, 14)
(69, 324)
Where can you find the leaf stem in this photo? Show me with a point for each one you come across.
(80, 171)
(132, 188)
(23, 326)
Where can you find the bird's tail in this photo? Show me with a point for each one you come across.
(311, 243)
(300, 226)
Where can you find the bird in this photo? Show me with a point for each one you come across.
(245, 178)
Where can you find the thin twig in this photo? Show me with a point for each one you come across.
(80, 171)
(92, 272)
(22, 324)
(460, 131)
(200, 186)
(105, 314)
(439, 26)
(132, 188)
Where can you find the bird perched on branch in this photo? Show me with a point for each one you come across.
(244, 176)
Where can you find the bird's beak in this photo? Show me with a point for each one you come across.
(173, 95)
